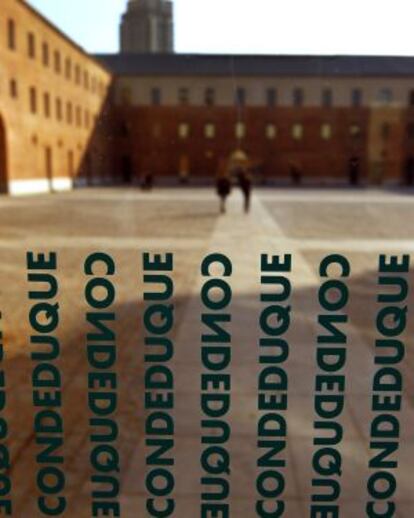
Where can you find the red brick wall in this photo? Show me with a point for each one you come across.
(316, 157)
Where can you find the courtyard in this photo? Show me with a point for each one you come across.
(309, 224)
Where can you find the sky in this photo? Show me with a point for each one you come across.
(252, 26)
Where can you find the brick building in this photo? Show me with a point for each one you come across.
(69, 118)
(54, 106)
(333, 119)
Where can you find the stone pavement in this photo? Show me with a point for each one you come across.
(308, 224)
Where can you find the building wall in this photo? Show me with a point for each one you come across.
(154, 140)
(373, 131)
(89, 127)
(64, 137)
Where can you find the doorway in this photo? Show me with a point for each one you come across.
(71, 165)
(354, 170)
(88, 168)
(49, 167)
(126, 168)
(3, 158)
(408, 179)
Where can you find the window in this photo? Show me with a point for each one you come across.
(271, 97)
(78, 116)
(86, 79)
(326, 131)
(385, 96)
(155, 96)
(240, 96)
(13, 89)
(297, 131)
(411, 98)
(11, 34)
(57, 62)
(385, 131)
(31, 46)
(327, 98)
(93, 85)
(355, 130)
(298, 97)
(71, 164)
(58, 109)
(210, 130)
(77, 74)
(410, 130)
(46, 104)
(356, 98)
(69, 113)
(183, 130)
(45, 54)
(210, 97)
(183, 96)
(87, 119)
(240, 130)
(33, 99)
(68, 68)
(271, 131)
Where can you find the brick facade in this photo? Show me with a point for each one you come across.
(68, 118)
(54, 106)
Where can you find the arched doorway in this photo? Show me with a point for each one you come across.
(183, 169)
(354, 170)
(408, 179)
(88, 168)
(3, 158)
(126, 168)
(49, 166)
(71, 165)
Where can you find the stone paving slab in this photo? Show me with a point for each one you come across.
(281, 221)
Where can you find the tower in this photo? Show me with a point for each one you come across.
(148, 26)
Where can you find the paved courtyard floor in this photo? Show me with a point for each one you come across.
(307, 223)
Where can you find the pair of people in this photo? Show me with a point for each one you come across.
(224, 183)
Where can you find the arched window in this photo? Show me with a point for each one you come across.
(271, 131)
(46, 102)
(326, 131)
(33, 99)
(68, 68)
(209, 96)
(210, 130)
(355, 130)
(240, 130)
(297, 131)
(57, 61)
(298, 97)
(183, 96)
(271, 97)
(11, 34)
(69, 112)
(13, 89)
(45, 54)
(58, 109)
(31, 45)
(327, 98)
(183, 130)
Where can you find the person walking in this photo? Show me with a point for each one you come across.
(223, 187)
(147, 181)
(245, 182)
